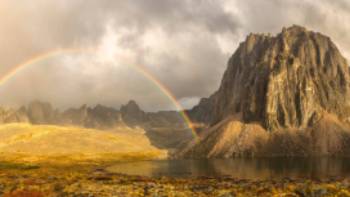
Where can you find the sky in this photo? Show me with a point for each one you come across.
(183, 44)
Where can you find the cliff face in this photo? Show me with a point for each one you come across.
(203, 112)
(289, 82)
(284, 81)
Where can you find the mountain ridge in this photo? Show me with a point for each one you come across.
(98, 116)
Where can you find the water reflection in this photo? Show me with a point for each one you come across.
(262, 168)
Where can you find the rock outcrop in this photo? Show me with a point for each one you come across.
(284, 81)
(288, 82)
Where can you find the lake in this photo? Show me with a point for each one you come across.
(241, 168)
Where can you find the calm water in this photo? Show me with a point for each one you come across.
(240, 168)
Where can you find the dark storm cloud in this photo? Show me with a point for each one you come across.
(185, 44)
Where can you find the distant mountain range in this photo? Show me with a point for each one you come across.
(100, 117)
(283, 95)
(165, 129)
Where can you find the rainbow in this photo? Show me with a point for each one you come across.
(17, 68)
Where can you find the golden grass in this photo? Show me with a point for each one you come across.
(28, 142)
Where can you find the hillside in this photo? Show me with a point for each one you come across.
(20, 141)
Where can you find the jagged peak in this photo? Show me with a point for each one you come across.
(295, 28)
(99, 106)
(286, 31)
(102, 108)
(84, 106)
(132, 102)
(132, 105)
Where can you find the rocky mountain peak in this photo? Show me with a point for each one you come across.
(284, 81)
(282, 95)
(132, 113)
(131, 106)
(84, 107)
(294, 29)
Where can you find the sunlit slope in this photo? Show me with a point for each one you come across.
(56, 141)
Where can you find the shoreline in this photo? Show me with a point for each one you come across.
(94, 180)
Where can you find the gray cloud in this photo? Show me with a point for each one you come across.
(184, 44)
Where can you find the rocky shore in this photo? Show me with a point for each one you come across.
(19, 180)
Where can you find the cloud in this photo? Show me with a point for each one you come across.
(184, 44)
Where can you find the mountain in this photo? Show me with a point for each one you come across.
(165, 129)
(289, 91)
(100, 116)
(133, 114)
(203, 112)
(41, 113)
(8, 115)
